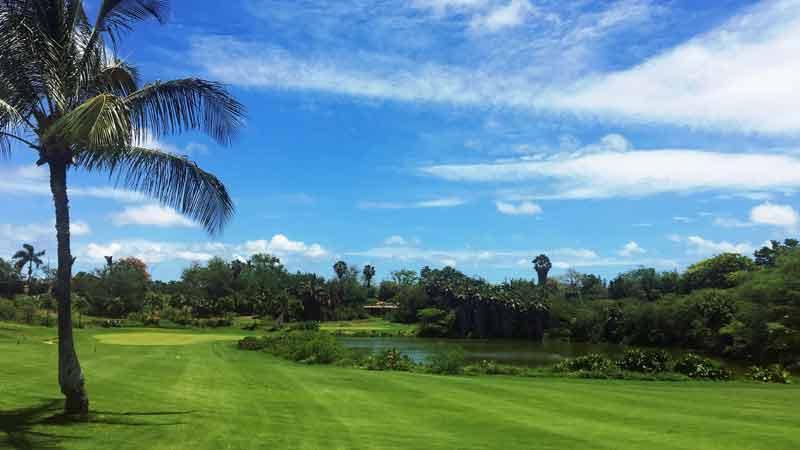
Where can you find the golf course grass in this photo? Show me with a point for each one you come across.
(368, 325)
(203, 393)
(160, 338)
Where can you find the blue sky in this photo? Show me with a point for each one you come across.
(473, 133)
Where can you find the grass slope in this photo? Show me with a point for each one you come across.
(208, 395)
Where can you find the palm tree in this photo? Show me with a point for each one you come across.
(28, 256)
(369, 272)
(542, 265)
(340, 268)
(66, 96)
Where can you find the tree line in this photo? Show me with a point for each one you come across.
(729, 305)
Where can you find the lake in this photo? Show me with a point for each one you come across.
(517, 352)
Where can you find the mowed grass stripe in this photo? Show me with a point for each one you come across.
(209, 395)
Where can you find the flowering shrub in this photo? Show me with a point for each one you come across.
(695, 366)
(774, 373)
(390, 359)
(647, 361)
(592, 362)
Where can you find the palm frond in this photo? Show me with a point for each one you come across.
(188, 104)
(10, 119)
(118, 77)
(174, 180)
(116, 16)
(28, 247)
(20, 254)
(100, 122)
(41, 253)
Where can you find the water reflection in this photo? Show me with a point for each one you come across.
(517, 352)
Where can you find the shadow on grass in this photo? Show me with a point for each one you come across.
(35, 427)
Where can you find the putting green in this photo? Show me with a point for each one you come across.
(156, 338)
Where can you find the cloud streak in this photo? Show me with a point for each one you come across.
(635, 173)
(738, 77)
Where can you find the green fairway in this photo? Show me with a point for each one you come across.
(160, 338)
(368, 325)
(206, 394)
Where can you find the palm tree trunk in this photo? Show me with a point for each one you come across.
(70, 376)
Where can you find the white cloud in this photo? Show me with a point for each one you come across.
(634, 173)
(153, 252)
(395, 240)
(150, 252)
(151, 214)
(774, 214)
(151, 141)
(447, 202)
(522, 209)
(784, 216)
(729, 222)
(739, 76)
(33, 180)
(683, 219)
(699, 246)
(79, 228)
(442, 6)
(631, 249)
(38, 232)
(509, 15)
(281, 245)
(512, 259)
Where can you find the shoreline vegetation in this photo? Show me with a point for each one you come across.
(306, 343)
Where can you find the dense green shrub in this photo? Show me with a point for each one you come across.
(486, 367)
(434, 322)
(390, 359)
(252, 343)
(309, 325)
(592, 362)
(7, 310)
(695, 366)
(212, 322)
(774, 373)
(310, 347)
(111, 323)
(446, 362)
(647, 361)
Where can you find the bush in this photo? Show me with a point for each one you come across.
(695, 366)
(646, 361)
(7, 310)
(486, 367)
(28, 313)
(213, 322)
(592, 362)
(252, 343)
(310, 347)
(774, 373)
(390, 359)
(111, 323)
(309, 325)
(435, 322)
(180, 316)
(447, 362)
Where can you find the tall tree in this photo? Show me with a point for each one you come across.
(28, 256)
(67, 97)
(369, 272)
(542, 265)
(768, 256)
(340, 268)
